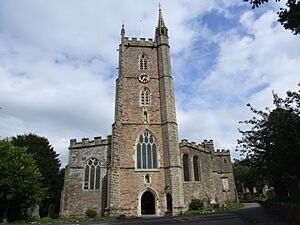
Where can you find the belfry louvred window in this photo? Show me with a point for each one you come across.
(92, 174)
(145, 98)
(146, 152)
(143, 63)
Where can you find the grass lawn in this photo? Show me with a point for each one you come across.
(69, 220)
(214, 210)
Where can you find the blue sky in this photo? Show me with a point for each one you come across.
(58, 63)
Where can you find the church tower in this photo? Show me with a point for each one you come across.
(142, 169)
(145, 174)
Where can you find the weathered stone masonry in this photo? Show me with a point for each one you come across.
(75, 200)
(140, 166)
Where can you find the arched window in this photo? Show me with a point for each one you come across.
(92, 174)
(186, 168)
(143, 63)
(145, 97)
(146, 152)
(196, 168)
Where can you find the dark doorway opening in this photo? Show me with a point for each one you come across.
(169, 203)
(148, 203)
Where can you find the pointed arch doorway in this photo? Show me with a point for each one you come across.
(148, 203)
(169, 203)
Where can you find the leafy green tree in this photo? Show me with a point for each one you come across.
(289, 17)
(273, 145)
(20, 178)
(247, 176)
(48, 163)
(241, 170)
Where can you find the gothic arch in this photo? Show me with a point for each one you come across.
(91, 174)
(143, 62)
(169, 200)
(155, 201)
(196, 168)
(145, 96)
(146, 151)
(186, 167)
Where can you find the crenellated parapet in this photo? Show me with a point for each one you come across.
(222, 152)
(85, 142)
(206, 145)
(138, 42)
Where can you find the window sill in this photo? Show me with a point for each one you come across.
(193, 182)
(146, 170)
(92, 190)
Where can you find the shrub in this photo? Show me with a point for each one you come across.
(44, 220)
(91, 213)
(196, 204)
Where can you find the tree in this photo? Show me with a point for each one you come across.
(48, 163)
(273, 144)
(246, 176)
(241, 173)
(20, 178)
(289, 17)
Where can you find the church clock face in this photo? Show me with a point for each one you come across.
(144, 78)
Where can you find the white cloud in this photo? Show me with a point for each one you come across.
(248, 67)
(58, 60)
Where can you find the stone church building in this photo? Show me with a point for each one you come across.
(142, 168)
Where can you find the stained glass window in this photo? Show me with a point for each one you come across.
(146, 151)
(186, 167)
(196, 168)
(92, 174)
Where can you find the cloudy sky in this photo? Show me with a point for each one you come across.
(58, 63)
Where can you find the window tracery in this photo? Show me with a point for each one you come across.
(143, 63)
(146, 152)
(92, 174)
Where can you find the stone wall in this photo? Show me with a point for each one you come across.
(75, 199)
(126, 183)
(122, 184)
(214, 166)
(223, 170)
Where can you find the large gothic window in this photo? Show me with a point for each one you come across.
(143, 63)
(92, 174)
(196, 168)
(145, 97)
(146, 152)
(186, 168)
